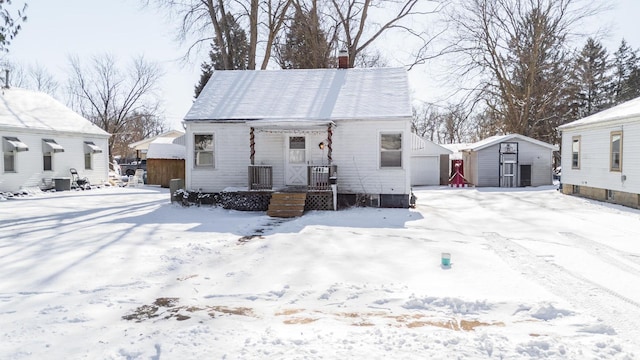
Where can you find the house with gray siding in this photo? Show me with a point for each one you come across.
(508, 161)
(274, 130)
(42, 140)
(601, 155)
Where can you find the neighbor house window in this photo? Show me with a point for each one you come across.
(9, 161)
(575, 152)
(391, 150)
(87, 161)
(203, 147)
(47, 159)
(90, 148)
(49, 147)
(10, 146)
(616, 151)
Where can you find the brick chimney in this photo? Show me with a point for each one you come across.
(343, 59)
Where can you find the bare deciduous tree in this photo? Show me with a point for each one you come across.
(35, 77)
(518, 49)
(11, 22)
(121, 102)
(206, 20)
(359, 30)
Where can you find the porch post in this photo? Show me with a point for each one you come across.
(329, 143)
(252, 144)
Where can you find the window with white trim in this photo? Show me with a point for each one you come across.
(616, 151)
(203, 150)
(390, 150)
(575, 152)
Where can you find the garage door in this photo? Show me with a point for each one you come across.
(425, 170)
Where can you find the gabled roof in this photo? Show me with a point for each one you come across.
(313, 94)
(496, 139)
(25, 109)
(144, 143)
(626, 110)
(420, 145)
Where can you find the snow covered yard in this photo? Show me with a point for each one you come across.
(121, 273)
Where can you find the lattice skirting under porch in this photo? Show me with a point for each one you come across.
(319, 201)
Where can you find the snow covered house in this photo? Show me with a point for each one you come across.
(42, 140)
(276, 129)
(429, 162)
(141, 147)
(601, 155)
(508, 161)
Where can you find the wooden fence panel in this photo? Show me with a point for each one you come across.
(161, 171)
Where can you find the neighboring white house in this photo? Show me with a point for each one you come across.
(42, 139)
(273, 129)
(141, 147)
(508, 161)
(429, 162)
(601, 155)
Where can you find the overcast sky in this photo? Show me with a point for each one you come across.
(124, 29)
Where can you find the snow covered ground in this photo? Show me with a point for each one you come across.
(121, 273)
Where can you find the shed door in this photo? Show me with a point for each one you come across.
(525, 175)
(296, 158)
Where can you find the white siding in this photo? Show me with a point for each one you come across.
(356, 152)
(594, 157)
(487, 166)
(540, 159)
(29, 164)
(231, 154)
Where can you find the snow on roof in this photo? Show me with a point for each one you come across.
(456, 147)
(144, 144)
(163, 148)
(304, 94)
(626, 110)
(492, 140)
(420, 145)
(26, 109)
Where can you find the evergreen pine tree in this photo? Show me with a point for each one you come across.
(305, 45)
(625, 84)
(590, 79)
(239, 54)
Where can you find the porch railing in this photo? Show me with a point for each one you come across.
(319, 177)
(260, 177)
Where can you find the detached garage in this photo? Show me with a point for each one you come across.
(509, 161)
(429, 162)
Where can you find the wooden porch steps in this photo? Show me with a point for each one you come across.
(287, 204)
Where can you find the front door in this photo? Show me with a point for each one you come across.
(296, 160)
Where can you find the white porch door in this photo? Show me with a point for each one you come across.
(296, 160)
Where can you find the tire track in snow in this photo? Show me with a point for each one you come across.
(606, 253)
(601, 302)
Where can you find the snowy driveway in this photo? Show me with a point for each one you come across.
(123, 274)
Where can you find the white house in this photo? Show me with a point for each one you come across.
(429, 162)
(508, 161)
(274, 129)
(601, 155)
(42, 140)
(141, 147)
